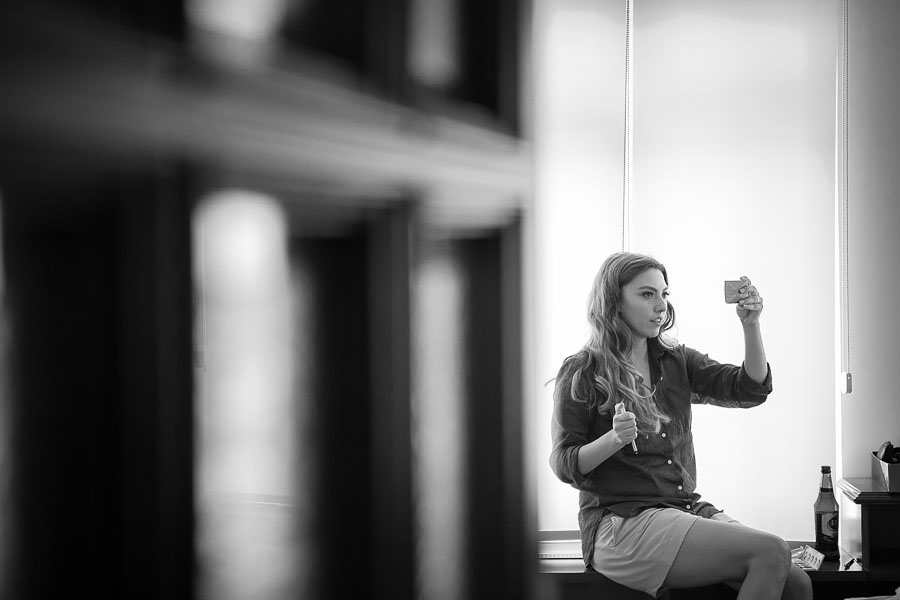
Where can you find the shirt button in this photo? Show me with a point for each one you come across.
(687, 506)
(669, 461)
(680, 487)
(664, 435)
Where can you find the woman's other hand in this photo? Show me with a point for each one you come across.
(624, 426)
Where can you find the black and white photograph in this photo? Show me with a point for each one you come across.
(449, 299)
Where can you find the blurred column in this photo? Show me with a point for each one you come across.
(97, 301)
(434, 53)
(471, 509)
(439, 423)
(6, 520)
(247, 459)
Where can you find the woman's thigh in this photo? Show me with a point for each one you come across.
(717, 552)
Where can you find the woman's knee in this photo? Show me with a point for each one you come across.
(771, 553)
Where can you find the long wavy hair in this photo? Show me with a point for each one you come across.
(601, 374)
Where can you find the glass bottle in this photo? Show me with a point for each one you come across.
(826, 514)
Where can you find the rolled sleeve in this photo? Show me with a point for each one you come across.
(750, 386)
(569, 431)
(724, 385)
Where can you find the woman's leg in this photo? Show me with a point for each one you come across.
(717, 552)
(797, 587)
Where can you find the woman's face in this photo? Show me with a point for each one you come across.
(644, 303)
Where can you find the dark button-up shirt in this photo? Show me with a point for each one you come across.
(664, 471)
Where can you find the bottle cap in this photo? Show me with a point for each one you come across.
(826, 468)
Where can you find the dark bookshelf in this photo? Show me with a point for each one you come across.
(115, 121)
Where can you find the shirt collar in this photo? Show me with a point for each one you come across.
(655, 349)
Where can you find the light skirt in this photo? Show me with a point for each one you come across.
(638, 552)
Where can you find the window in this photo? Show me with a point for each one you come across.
(733, 174)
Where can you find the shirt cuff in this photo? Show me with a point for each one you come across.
(578, 479)
(748, 384)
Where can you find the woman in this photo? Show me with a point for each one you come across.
(642, 524)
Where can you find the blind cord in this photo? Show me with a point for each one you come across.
(626, 143)
(844, 199)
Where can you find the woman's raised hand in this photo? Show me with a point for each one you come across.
(750, 303)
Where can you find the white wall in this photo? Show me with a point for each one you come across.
(871, 413)
(733, 174)
(579, 47)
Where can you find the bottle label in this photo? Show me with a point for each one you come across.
(828, 526)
